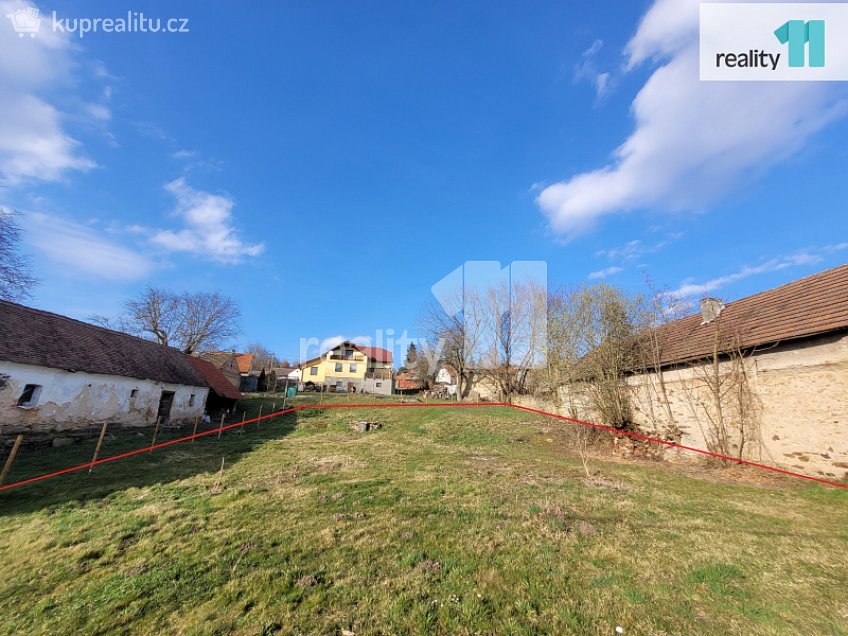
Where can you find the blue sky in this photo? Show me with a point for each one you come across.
(325, 163)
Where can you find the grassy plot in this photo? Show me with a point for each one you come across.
(442, 521)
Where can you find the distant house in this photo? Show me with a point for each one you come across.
(407, 382)
(58, 374)
(237, 367)
(350, 367)
(279, 377)
(227, 363)
(446, 377)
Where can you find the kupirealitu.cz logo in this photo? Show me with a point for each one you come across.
(26, 21)
(774, 41)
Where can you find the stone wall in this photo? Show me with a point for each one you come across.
(799, 391)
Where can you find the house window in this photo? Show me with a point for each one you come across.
(313, 371)
(30, 395)
(338, 367)
(352, 368)
(379, 384)
(134, 393)
(191, 400)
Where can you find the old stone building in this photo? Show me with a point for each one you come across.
(764, 378)
(58, 374)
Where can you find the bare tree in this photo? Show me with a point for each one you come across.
(563, 349)
(718, 393)
(15, 278)
(591, 347)
(263, 358)
(210, 319)
(515, 319)
(454, 333)
(191, 322)
(658, 308)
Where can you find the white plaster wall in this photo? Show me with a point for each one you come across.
(71, 401)
(443, 376)
(370, 386)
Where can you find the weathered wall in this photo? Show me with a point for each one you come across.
(70, 401)
(800, 391)
(370, 385)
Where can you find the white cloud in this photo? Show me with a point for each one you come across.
(184, 154)
(33, 143)
(82, 249)
(690, 289)
(208, 230)
(604, 273)
(587, 69)
(693, 141)
(635, 249)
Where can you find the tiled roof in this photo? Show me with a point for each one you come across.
(219, 358)
(376, 353)
(806, 307)
(217, 381)
(407, 380)
(373, 353)
(244, 361)
(32, 336)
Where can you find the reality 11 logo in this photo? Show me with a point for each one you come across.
(799, 34)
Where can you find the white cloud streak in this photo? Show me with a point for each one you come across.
(208, 231)
(606, 272)
(635, 249)
(587, 69)
(80, 249)
(692, 289)
(693, 141)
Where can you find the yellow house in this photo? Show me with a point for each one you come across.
(351, 367)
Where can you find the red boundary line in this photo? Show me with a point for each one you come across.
(610, 429)
(682, 447)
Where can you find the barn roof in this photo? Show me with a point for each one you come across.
(215, 378)
(810, 306)
(40, 338)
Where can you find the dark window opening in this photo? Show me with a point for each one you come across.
(191, 400)
(30, 395)
(134, 393)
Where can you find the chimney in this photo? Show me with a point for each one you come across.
(711, 308)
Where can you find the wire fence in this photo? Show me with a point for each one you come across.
(262, 426)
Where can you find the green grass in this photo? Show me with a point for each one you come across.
(454, 521)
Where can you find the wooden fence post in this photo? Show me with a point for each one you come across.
(155, 431)
(259, 419)
(221, 428)
(11, 459)
(98, 447)
(194, 432)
